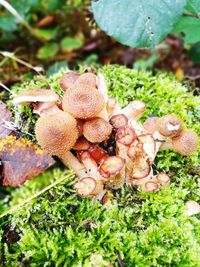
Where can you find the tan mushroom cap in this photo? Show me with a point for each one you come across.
(89, 79)
(68, 79)
(169, 125)
(56, 133)
(186, 143)
(83, 101)
(27, 97)
(150, 124)
(97, 130)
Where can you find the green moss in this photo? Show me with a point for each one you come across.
(60, 229)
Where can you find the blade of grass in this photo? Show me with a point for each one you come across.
(20, 205)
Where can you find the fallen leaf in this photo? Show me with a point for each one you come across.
(5, 115)
(21, 160)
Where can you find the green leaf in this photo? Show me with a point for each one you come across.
(194, 53)
(193, 6)
(47, 51)
(70, 43)
(47, 34)
(137, 23)
(190, 27)
(57, 66)
(8, 22)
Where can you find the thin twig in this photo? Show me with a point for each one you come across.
(14, 12)
(28, 65)
(119, 258)
(16, 207)
(6, 88)
(188, 14)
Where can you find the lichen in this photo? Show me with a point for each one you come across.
(59, 228)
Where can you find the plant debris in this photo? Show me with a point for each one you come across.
(6, 116)
(21, 160)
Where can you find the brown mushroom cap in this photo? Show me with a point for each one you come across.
(68, 79)
(186, 143)
(150, 124)
(83, 101)
(169, 125)
(36, 95)
(89, 79)
(56, 133)
(97, 130)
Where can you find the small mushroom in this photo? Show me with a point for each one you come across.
(119, 120)
(68, 79)
(186, 143)
(125, 135)
(83, 101)
(27, 97)
(150, 124)
(56, 133)
(97, 130)
(162, 178)
(88, 78)
(89, 187)
(82, 144)
(169, 125)
(111, 166)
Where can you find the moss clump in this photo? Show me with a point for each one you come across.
(60, 229)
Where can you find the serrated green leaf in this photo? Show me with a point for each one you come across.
(47, 34)
(194, 53)
(70, 43)
(47, 51)
(190, 27)
(137, 23)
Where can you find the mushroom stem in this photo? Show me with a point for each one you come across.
(133, 111)
(101, 85)
(69, 160)
(113, 107)
(90, 165)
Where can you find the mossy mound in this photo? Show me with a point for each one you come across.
(143, 229)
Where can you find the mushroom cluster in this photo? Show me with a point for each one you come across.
(104, 144)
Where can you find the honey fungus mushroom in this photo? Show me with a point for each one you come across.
(88, 78)
(44, 100)
(169, 125)
(27, 97)
(83, 101)
(56, 133)
(97, 130)
(186, 143)
(68, 79)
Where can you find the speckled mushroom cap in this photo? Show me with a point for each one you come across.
(36, 95)
(68, 79)
(97, 130)
(83, 101)
(186, 143)
(169, 125)
(88, 78)
(56, 133)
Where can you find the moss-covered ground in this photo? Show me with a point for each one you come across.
(140, 229)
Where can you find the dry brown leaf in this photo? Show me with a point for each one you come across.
(5, 115)
(21, 160)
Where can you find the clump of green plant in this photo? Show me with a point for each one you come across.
(139, 228)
